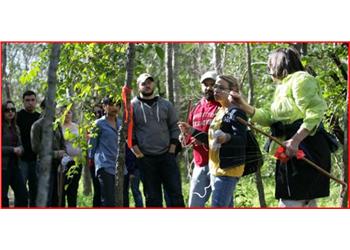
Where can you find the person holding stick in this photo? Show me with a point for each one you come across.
(294, 116)
(200, 118)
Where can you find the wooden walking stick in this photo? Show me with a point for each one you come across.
(311, 163)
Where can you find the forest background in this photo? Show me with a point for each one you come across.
(88, 71)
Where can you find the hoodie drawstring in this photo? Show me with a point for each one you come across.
(144, 113)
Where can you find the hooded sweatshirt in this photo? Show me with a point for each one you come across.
(155, 125)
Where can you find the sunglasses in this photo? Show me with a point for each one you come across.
(8, 110)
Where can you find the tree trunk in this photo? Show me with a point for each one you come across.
(177, 88)
(47, 130)
(169, 72)
(258, 179)
(123, 127)
(345, 172)
(217, 59)
(4, 78)
(87, 189)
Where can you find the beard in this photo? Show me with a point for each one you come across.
(144, 93)
(209, 95)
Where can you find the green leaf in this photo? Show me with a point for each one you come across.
(160, 52)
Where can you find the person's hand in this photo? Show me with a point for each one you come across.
(131, 177)
(137, 152)
(237, 99)
(184, 127)
(172, 149)
(221, 137)
(291, 146)
(18, 151)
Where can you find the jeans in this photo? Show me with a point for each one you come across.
(158, 170)
(107, 187)
(223, 188)
(14, 178)
(134, 184)
(30, 176)
(297, 203)
(200, 188)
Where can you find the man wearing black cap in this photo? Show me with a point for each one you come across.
(154, 142)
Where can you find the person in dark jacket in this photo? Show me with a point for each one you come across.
(226, 139)
(25, 119)
(12, 149)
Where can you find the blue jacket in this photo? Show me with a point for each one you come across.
(104, 145)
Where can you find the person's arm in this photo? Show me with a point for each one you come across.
(18, 150)
(137, 152)
(307, 96)
(187, 129)
(292, 145)
(259, 115)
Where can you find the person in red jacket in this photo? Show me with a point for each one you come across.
(200, 118)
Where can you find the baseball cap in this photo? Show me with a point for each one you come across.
(209, 75)
(143, 77)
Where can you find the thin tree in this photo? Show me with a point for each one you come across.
(176, 83)
(4, 78)
(125, 123)
(216, 59)
(258, 179)
(345, 172)
(47, 133)
(169, 72)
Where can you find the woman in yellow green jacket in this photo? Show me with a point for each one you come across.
(294, 116)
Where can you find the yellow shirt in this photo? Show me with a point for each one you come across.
(214, 160)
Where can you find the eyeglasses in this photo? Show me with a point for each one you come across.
(8, 110)
(220, 87)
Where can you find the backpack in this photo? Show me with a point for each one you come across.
(254, 159)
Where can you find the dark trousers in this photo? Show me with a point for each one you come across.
(13, 177)
(107, 187)
(52, 199)
(157, 171)
(96, 201)
(134, 183)
(71, 185)
(30, 175)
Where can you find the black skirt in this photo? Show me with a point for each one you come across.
(296, 179)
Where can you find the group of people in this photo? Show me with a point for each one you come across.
(218, 139)
(22, 132)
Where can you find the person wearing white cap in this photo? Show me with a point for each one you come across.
(155, 136)
(200, 118)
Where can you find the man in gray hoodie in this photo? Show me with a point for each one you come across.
(155, 136)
